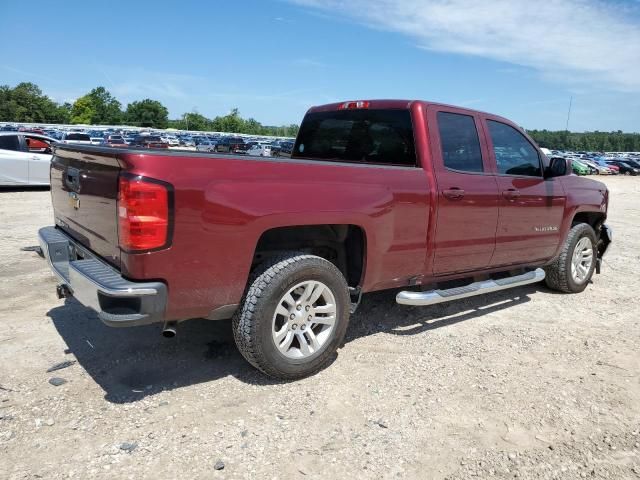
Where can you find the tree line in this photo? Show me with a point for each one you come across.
(27, 103)
(587, 141)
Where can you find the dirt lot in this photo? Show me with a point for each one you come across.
(525, 383)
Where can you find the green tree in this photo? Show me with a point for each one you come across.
(108, 110)
(147, 113)
(83, 110)
(196, 122)
(26, 103)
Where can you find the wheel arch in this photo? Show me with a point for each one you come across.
(594, 219)
(345, 245)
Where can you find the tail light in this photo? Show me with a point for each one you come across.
(144, 211)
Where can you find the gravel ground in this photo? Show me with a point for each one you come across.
(524, 383)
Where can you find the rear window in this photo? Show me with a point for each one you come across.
(383, 137)
(9, 142)
(78, 136)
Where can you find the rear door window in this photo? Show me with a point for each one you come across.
(514, 154)
(459, 142)
(9, 142)
(383, 137)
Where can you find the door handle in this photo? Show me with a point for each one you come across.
(511, 194)
(453, 193)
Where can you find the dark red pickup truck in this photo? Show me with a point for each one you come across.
(377, 195)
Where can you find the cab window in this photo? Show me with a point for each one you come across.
(459, 142)
(514, 154)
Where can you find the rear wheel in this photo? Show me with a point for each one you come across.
(571, 271)
(293, 317)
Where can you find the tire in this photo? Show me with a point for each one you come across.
(559, 275)
(255, 322)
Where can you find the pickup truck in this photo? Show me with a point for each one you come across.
(438, 201)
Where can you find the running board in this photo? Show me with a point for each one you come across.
(477, 288)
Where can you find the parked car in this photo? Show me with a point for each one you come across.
(231, 145)
(284, 149)
(25, 158)
(613, 168)
(288, 247)
(260, 150)
(597, 169)
(148, 141)
(579, 168)
(633, 163)
(172, 141)
(115, 141)
(77, 138)
(625, 168)
(206, 146)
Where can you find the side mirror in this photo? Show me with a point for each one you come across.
(558, 167)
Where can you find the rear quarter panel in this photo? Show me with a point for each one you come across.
(223, 205)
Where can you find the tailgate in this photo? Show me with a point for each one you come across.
(84, 192)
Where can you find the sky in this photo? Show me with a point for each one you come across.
(273, 60)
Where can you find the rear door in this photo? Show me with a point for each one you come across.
(531, 208)
(39, 159)
(84, 190)
(467, 214)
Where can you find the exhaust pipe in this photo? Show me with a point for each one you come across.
(169, 329)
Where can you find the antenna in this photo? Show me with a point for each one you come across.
(569, 113)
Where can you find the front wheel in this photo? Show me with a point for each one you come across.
(293, 317)
(571, 271)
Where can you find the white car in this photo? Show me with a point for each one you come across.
(76, 137)
(260, 150)
(206, 146)
(25, 158)
(172, 141)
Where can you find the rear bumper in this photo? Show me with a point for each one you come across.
(118, 302)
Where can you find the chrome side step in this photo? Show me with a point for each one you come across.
(477, 288)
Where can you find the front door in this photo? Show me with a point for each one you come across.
(14, 162)
(467, 213)
(531, 208)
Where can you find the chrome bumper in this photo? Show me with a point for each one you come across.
(118, 302)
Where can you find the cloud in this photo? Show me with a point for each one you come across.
(581, 42)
